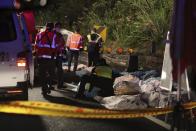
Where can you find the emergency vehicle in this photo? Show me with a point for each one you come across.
(16, 64)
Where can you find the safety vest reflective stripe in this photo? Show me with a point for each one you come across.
(95, 41)
(53, 41)
(75, 42)
(47, 45)
(74, 49)
(45, 49)
(103, 71)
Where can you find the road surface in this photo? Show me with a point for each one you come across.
(10, 122)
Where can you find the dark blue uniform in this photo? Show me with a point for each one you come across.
(95, 43)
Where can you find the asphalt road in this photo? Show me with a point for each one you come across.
(11, 122)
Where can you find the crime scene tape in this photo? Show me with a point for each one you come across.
(59, 110)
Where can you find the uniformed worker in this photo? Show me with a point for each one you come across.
(45, 48)
(94, 45)
(74, 46)
(60, 42)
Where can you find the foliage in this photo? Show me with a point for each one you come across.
(66, 11)
(131, 23)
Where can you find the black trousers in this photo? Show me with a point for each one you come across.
(96, 81)
(47, 72)
(59, 67)
(93, 58)
(73, 54)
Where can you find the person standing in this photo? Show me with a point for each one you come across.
(94, 45)
(60, 42)
(45, 49)
(74, 46)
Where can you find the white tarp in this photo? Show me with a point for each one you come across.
(126, 85)
(149, 95)
(122, 102)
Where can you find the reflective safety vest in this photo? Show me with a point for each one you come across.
(96, 40)
(45, 45)
(103, 71)
(94, 45)
(75, 42)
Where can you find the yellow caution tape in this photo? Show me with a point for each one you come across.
(59, 110)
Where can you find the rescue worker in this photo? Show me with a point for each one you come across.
(94, 45)
(45, 48)
(74, 46)
(102, 73)
(60, 42)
